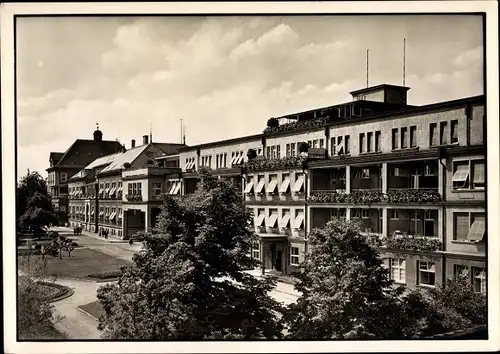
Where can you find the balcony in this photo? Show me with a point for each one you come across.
(271, 164)
(406, 242)
(292, 126)
(134, 197)
(366, 197)
(414, 175)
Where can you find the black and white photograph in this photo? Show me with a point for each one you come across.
(234, 179)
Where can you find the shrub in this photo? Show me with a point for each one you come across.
(273, 123)
(251, 154)
(112, 274)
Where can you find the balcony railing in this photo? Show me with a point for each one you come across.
(289, 127)
(400, 196)
(264, 163)
(405, 242)
(134, 197)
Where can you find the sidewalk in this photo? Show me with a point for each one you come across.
(69, 230)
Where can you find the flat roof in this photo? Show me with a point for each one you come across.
(377, 87)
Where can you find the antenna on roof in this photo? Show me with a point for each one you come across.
(367, 51)
(184, 136)
(404, 61)
(97, 125)
(150, 132)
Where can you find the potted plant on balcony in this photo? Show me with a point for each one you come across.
(273, 123)
(127, 165)
(251, 154)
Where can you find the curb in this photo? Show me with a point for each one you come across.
(85, 312)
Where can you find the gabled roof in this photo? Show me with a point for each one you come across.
(82, 152)
(118, 160)
(102, 161)
(168, 148)
(55, 157)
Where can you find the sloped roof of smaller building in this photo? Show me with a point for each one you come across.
(55, 157)
(82, 151)
(129, 156)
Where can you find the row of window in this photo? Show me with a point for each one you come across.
(110, 189)
(448, 133)
(135, 188)
(340, 145)
(426, 273)
(273, 219)
(221, 160)
(394, 214)
(400, 138)
(273, 152)
(368, 144)
(256, 185)
(109, 213)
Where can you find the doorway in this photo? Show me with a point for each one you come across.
(429, 228)
(278, 261)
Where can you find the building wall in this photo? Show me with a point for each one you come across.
(282, 140)
(222, 148)
(462, 246)
(462, 195)
(411, 272)
(280, 175)
(421, 121)
(477, 125)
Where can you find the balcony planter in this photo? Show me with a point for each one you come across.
(134, 197)
(251, 154)
(127, 165)
(273, 123)
(412, 243)
(264, 163)
(367, 197)
(289, 127)
(414, 196)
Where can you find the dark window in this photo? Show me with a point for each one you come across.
(433, 135)
(378, 142)
(443, 133)
(395, 139)
(404, 136)
(347, 146)
(413, 136)
(369, 138)
(454, 131)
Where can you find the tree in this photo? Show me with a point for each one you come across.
(450, 308)
(35, 316)
(189, 282)
(34, 205)
(346, 291)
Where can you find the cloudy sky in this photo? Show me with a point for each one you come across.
(224, 76)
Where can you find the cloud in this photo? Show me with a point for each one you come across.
(224, 76)
(470, 58)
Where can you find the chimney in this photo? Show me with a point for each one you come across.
(133, 143)
(145, 139)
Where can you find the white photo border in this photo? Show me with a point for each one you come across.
(10, 10)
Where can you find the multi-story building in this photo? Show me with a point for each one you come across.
(414, 172)
(63, 165)
(118, 193)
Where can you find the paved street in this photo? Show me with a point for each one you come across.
(79, 325)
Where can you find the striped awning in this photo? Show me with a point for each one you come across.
(461, 174)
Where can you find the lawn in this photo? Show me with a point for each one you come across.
(82, 262)
(94, 308)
